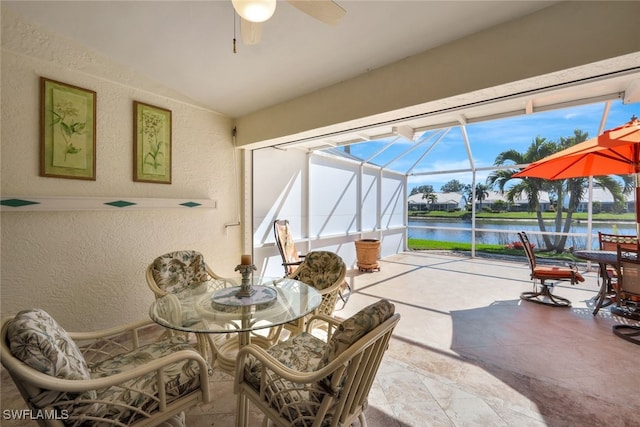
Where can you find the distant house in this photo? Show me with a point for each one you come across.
(603, 201)
(518, 205)
(456, 201)
(442, 202)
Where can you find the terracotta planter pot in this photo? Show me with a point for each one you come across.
(368, 252)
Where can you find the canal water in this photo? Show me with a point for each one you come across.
(506, 230)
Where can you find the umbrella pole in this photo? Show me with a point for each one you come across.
(636, 166)
(637, 178)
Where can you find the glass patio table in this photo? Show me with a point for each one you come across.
(223, 322)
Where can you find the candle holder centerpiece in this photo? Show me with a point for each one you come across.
(246, 269)
(247, 297)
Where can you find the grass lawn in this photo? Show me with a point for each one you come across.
(420, 244)
(582, 216)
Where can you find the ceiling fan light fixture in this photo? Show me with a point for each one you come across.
(255, 10)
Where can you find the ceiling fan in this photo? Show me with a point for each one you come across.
(254, 12)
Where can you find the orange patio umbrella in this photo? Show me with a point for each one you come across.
(615, 151)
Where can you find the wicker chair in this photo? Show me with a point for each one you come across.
(610, 242)
(177, 270)
(325, 271)
(291, 258)
(628, 293)
(305, 381)
(104, 377)
(544, 273)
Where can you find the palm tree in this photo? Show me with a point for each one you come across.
(532, 187)
(432, 198)
(482, 192)
(429, 196)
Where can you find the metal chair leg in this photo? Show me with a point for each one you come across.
(628, 332)
(341, 293)
(544, 296)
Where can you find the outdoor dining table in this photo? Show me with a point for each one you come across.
(606, 294)
(212, 311)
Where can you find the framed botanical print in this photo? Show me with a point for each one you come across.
(67, 131)
(151, 144)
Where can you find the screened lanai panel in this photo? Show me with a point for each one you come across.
(279, 189)
(447, 153)
(333, 197)
(370, 198)
(393, 202)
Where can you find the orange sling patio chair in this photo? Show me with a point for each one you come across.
(543, 273)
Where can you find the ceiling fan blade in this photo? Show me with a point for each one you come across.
(326, 11)
(251, 31)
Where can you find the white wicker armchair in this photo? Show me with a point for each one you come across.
(305, 381)
(104, 377)
(325, 271)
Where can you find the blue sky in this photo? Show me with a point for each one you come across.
(488, 139)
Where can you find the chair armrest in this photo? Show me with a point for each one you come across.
(101, 344)
(112, 332)
(331, 322)
(142, 392)
(292, 263)
(151, 282)
(47, 382)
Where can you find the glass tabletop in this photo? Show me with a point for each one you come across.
(213, 307)
(607, 257)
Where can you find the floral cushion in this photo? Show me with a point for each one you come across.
(296, 402)
(301, 352)
(320, 269)
(177, 270)
(182, 377)
(39, 341)
(354, 328)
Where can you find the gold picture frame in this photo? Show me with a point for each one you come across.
(67, 131)
(152, 144)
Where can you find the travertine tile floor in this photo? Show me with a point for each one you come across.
(469, 352)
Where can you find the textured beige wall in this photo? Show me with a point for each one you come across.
(87, 268)
(560, 37)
